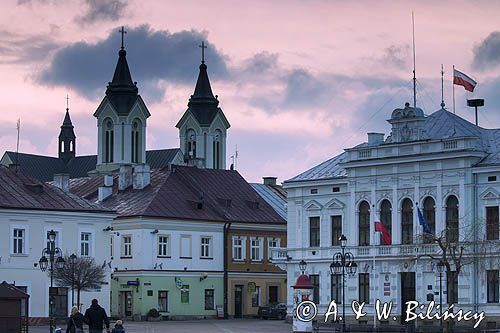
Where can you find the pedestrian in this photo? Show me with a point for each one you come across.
(95, 317)
(75, 321)
(118, 327)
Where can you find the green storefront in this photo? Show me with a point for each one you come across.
(176, 295)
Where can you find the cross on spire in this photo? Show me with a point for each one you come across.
(123, 32)
(67, 103)
(203, 47)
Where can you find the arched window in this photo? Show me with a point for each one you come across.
(386, 215)
(430, 217)
(364, 224)
(136, 141)
(71, 148)
(216, 150)
(62, 146)
(407, 222)
(109, 138)
(452, 219)
(191, 144)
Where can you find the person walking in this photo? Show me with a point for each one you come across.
(75, 321)
(118, 327)
(95, 317)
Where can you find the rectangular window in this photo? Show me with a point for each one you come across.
(451, 288)
(256, 297)
(185, 294)
(335, 189)
(163, 246)
(205, 247)
(314, 191)
(314, 231)
(493, 286)
(256, 251)
(315, 282)
(272, 243)
(127, 246)
(19, 241)
(336, 230)
(85, 244)
(162, 300)
(186, 247)
(336, 291)
(364, 287)
(492, 226)
(492, 178)
(238, 248)
(209, 299)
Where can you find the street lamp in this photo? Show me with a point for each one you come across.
(343, 262)
(440, 268)
(72, 260)
(302, 266)
(52, 259)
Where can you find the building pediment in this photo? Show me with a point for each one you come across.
(490, 193)
(313, 205)
(335, 204)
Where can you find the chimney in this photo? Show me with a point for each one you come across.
(375, 138)
(270, 180)
(125, 177)
(61, 180)
(105, 191)
(141, 176)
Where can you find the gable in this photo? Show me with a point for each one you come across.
(335, 204)
(489, 194)
(313, 205)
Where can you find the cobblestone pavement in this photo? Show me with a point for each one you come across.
(195, 326)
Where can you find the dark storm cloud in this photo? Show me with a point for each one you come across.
(21, 49)
(261, 62)
(396, 55)
(487, 53)
(102, 10)
(152, 56)
(302, 88)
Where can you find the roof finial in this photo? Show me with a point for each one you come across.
(123, 32)
(67, 102)
(442, 87)
(203, 47)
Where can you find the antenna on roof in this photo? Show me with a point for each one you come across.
(442, 87)
(414, 63)
(17, 143)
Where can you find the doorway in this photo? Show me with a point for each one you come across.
(407, 291)
(238, 301)
(59, 301)
(272, 295)
(126, 303)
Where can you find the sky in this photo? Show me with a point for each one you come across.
(299, 81)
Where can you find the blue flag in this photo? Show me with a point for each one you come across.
(423, 222)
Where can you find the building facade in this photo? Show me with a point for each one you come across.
(441, 165)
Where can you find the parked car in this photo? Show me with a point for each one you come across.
(274, 311)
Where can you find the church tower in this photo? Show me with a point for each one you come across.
(121, 120)
(67, 139)
(203, 127)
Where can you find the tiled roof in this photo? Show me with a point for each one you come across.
(274, 195)
(440, 125)
(22, 192)
(43, 168)
(186, 193)
(9, 291)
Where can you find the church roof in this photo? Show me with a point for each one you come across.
(122, 92)
(67, 120)
(43, 167)
(440, 125)
(18, 191)
(186, 193)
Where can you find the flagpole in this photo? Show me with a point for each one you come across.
(453, 85)
(373, 265)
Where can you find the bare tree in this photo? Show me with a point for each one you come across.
(83, 275)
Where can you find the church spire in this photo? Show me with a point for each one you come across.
(67, 137)
(203, 91)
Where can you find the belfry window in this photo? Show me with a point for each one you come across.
(191, 144)
(136, 138)
(216, 150)
(407, 222)
(108, 141)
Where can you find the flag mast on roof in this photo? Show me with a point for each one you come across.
(414, 63)
(442, 87)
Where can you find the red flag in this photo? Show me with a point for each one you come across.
(379, 227)
(463, 80)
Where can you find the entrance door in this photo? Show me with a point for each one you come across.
(238, 301)
(59, 301)
(273, 295)
(126, 303)
(407, 291)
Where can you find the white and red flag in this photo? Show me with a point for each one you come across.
(463, 80)
(379, 227)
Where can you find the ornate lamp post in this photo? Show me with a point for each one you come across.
(302, 266)
(343, 262)
(72, 260)
(440, 268)
(51, 259)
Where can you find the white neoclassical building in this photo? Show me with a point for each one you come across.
(441, 164)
